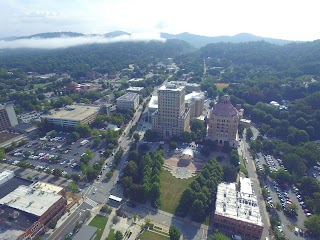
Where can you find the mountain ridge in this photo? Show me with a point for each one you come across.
(197, 41)
(200, 41)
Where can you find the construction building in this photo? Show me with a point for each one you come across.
(72, 115)
(27, 208)
(172, 117)
(190, 87)
(223, 123)
(8, 117)
(195, 102)
(237, 210)
(129, 100)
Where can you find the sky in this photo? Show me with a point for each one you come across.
(284, 19)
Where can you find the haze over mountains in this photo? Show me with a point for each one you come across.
(52, 39)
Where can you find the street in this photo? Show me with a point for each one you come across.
(244, 148)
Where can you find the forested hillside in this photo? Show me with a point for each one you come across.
(103, 58)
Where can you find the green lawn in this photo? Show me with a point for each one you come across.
(39, 85)
(171, 191)
(147, 235)
(111, 235)
(99, 222)
(221, 86)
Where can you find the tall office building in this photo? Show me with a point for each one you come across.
(223, 122)
(8, 117)
(172, 117)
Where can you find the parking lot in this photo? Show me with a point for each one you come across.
(293, 227)
(48, 154)
(27, 117)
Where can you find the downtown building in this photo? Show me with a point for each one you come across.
(8, 117)
(223, 123)
(171, 118)
(27, 207)
(237, 210)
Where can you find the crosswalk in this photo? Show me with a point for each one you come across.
(90, 202)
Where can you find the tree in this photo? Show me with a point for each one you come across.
(52, 224)
(249, 134)
(174, 233)
(313, 224)
(173, 145)
(57, 172)
(229, 173)
(218, 236)
(118, 235)
(2, 154)
(136, 137)
(73, 187)
(83, 129)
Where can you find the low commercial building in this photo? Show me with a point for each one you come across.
(8, 117)
(28, 210)
(135, 89)
(72, 115)
(237, 210)
(128, 101)
(86, 232)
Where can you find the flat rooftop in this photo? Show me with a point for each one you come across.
(134, 89)
(47, 187)
(171, 87)
(130, 96)
(30, 200)
(153, 103)
(236, 204)
(74, 112)
(184, 83)
(194, 95)
(6, 174)
(12, 184)
(21, 219)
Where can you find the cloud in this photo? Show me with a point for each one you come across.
(65, 42)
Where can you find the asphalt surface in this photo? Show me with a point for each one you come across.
(69, 224)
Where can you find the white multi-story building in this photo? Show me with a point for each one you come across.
(71, 115)
(8, 117)
(129, 100)
(172, 117)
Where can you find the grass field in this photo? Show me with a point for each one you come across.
(171, 191)
(39, 85)
(221, 86)
(111, 235)
(99, 222)
(147, 235)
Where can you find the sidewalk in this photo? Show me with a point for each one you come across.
(108, 225)
(65, 217)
